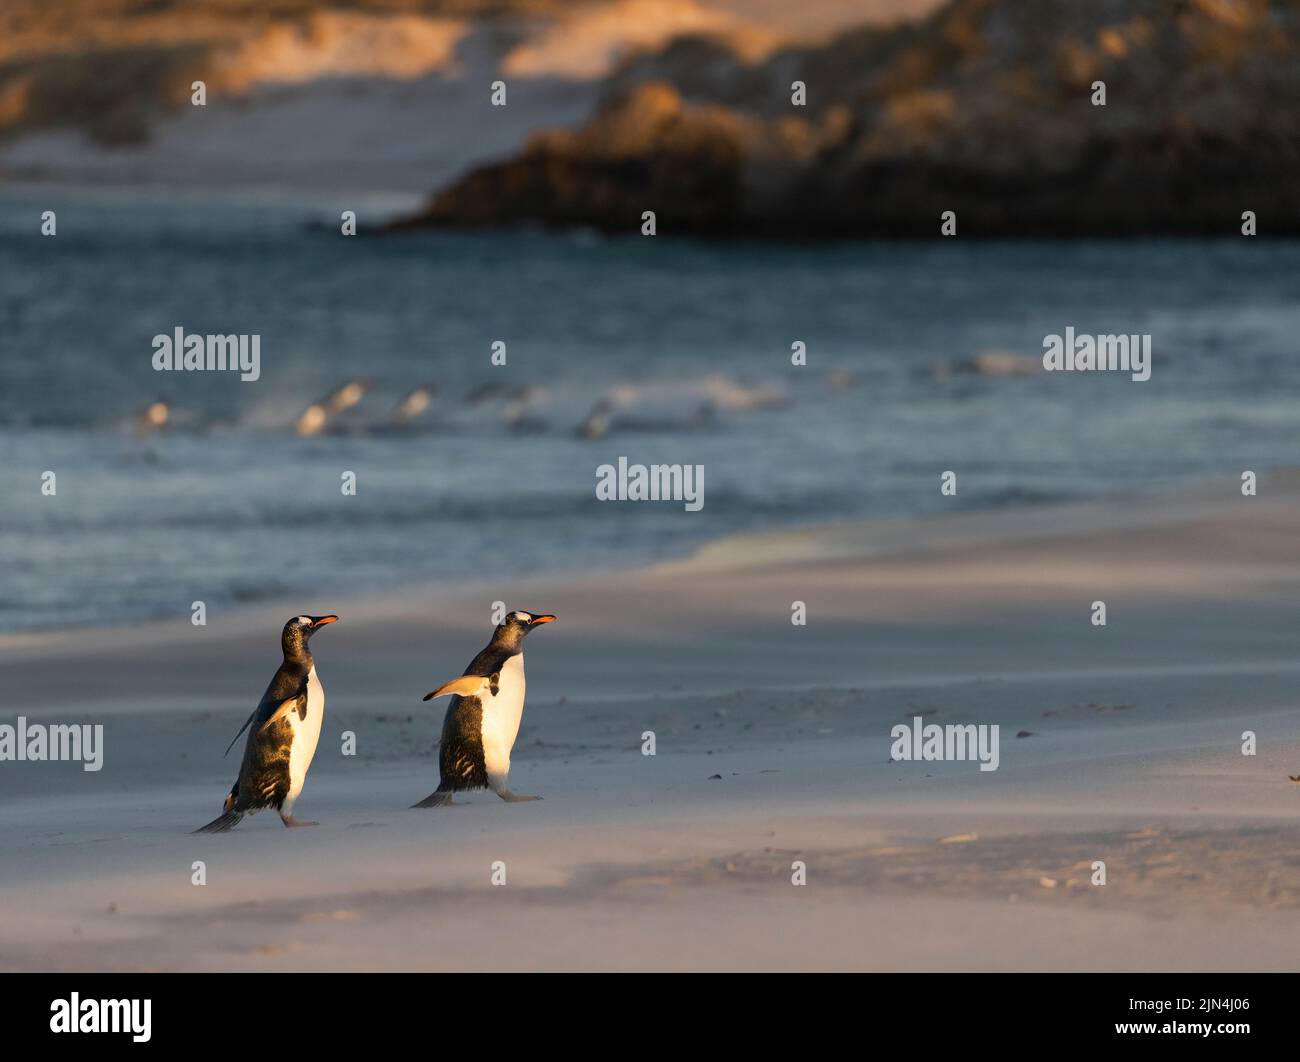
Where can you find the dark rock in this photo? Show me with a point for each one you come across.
(983, 108)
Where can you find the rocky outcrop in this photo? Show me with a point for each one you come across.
(985, 108)
(645, 150)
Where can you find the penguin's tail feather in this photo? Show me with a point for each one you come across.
(222, 823)
(437, 799)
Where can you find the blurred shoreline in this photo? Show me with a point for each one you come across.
(376, 358)
(825, 545)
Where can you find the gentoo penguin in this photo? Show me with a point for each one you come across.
(313, 419)
(282, 734)
(414, 404)
(482, 720)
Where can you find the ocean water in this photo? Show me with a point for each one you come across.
(686, 344)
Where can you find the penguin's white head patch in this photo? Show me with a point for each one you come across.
(516, 625)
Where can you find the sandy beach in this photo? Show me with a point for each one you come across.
(1120, 744)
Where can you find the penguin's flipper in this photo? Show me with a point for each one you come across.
(296, 703)
(241, 730)
(221, 823)
(465, 686)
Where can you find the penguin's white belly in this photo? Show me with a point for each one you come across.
(501, 716)
(306, 733)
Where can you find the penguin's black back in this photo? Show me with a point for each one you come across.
(491, 660)
(460, 755)
(264, 773)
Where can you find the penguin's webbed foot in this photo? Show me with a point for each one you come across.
(514, 798)
(290, 821)
(439, 798)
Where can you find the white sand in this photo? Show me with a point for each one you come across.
(634, 862)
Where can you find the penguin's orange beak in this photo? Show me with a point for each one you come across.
(536, 620)
(320, 621)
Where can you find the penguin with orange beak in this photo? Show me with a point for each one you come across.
(285, 728)
(482, 721)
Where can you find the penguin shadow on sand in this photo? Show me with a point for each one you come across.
(482, 721)
(282, 734)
